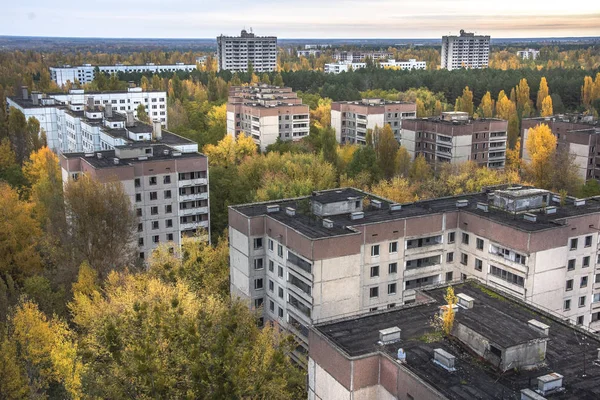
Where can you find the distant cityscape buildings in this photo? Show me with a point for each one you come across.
(465, 51)
(54, 111)
(529, 54)
(455, 138)
(236, 53)
(267, 113)
(86, 73)
(352, 119)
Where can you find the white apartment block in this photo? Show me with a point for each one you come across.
(341, 256)
(86, 73)
(49, 109)
(410, 64)
(455, 138)
(465, 51)
(267, 113)
(235, 53)
(356, 56)
(345, 66)
(163, 174)
(309, 52)
(529, 54)
(352, 119)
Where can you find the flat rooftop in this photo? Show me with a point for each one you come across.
(107, 156)
(374, 102)
(309, 225)
(504, 318)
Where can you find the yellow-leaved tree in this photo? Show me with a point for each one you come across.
(547, 107)
(230, 151)
(541, 148)
(48, 348)
(19, 234)
(320, 117)
(542, 93)
(465, 102)
(397, 189)
(448, 315)
(487, 106)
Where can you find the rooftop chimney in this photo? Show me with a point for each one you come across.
(290, 211)
(24, 92)
(35, 98)
(129, 121)
(327, 223)
(156, 130)
(539, 326)
(108, 111)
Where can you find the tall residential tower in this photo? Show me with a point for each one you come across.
(235, 53)
(465, 51)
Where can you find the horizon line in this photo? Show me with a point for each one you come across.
(292, 38)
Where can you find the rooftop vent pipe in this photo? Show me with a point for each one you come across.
(272, 208)
(357, 215)
(444, 359)
(462, 203)
(389, 335)
(530, 217)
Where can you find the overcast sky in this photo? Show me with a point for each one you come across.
(299, 18)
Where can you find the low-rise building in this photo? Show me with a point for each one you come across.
(267, 113)
(352, 119)
(49, 109)
(498, 348)
(343, 252)
(579, 135)
(529, 54)
(345, 66)
(87, 72)
(410, 64)
(163, 174)
(309, 53)
(342, 66)
(454, 137)
(356, 56)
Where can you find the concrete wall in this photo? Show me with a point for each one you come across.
(337, 282)
(582, 154)
(336, 124)
(239, 267)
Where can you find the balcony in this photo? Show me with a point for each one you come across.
(507, 261)
(195, 196)
(193, 225)
(299, 263)
(192, 182)
(192, 211)
(424, 245)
